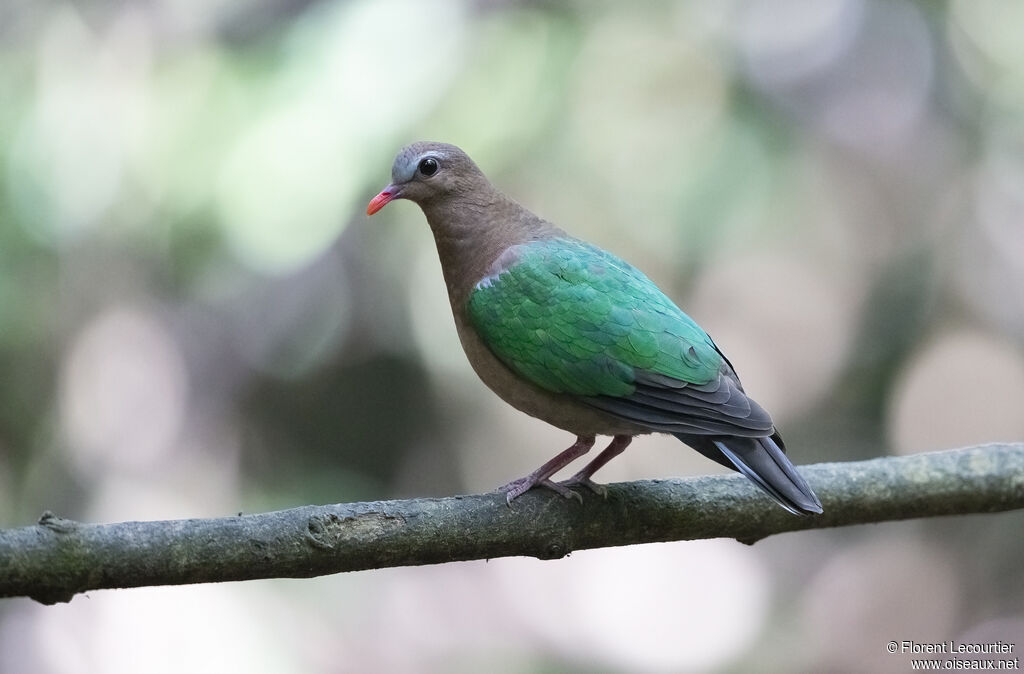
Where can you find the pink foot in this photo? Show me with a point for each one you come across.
(542, 476)
(577, 481)
(517, 488)
(582, 478)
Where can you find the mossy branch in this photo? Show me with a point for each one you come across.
(58, 558)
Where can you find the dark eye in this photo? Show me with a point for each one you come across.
(428, 166)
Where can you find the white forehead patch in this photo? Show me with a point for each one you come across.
(406, 162)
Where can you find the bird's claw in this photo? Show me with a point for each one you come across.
(586, 482)
(562, 489)
(517, 488)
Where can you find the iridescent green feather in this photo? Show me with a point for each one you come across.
(572, 318)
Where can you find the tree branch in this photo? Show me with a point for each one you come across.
(58, 558)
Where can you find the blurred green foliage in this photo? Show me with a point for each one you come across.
(196, 318)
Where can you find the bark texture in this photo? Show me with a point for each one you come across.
(58, 558)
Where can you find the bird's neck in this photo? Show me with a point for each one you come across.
(471, 233)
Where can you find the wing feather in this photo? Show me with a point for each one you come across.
(574, 319)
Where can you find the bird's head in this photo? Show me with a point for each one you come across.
(424, 171)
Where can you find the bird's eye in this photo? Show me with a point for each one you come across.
(428, 166)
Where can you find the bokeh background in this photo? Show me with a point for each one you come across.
(196, 317)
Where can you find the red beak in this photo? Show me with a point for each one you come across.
(378, 202)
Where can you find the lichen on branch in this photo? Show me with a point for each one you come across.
(57, 558)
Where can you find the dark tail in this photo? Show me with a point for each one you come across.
(764, 462)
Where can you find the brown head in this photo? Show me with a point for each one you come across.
(426, 172)
(472, 222)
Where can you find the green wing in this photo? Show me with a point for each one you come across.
(572, 318)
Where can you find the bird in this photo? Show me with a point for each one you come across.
(575, 336)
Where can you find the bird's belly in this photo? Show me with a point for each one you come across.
(557, 409)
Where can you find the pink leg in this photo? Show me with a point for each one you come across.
(582, 478)
(542, 475)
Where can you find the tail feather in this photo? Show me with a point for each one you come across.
(763, 461)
